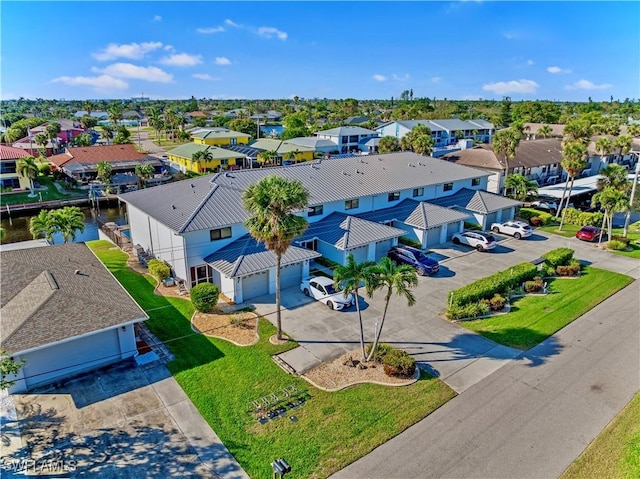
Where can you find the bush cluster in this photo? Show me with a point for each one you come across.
(624, 240)
(571, 269)
(558, 257)
(159, 269)
(583, 218)
(534, 286)
(204, 297)
(395, 362)
(617, 245)
(528, 214)
(469, 310)
(409, 242)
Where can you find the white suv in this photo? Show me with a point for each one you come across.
(517, 229)
(476, 239)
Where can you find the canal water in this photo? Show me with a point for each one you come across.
(17, 229)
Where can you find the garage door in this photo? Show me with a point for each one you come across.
(452, 228)
(433, 236)
(382, 247)
(491, 218)
(290, 275)
(255, 285)
(359, 254)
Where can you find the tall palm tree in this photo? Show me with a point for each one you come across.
(350, 277)
(623, 143)
(397, 279)
(273, 203)
(615, 176)
(144, 171)
(574, 160)
(41, 139)
(388, 144)
(423, 145)
(28, 168)
(104, 171)
(52, 130)
(156, 122)
(506, 142)
(41, 226)
(521, 186)
(544, 131)
(201, 157)
(107, 132)
(579, 129)
(603, 147)
(68, 221)
(115, 112)
(611, 201)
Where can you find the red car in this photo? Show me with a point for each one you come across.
(590, 233)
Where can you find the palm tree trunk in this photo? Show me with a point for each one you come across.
(602, 226)
(278, 316)
(377, 338)
(564, 192)
(357, 299)
(564, 211)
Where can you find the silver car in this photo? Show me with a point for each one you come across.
(517, 229)
(476, 239)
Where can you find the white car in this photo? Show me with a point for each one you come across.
(546, 205)
(476, 239)
(322, 289)
(517, 229)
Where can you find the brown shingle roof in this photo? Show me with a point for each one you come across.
(478, 157)
(531, 153)
(95, 154)
(44, 300)
(11, 153)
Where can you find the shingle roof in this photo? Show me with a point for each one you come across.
(11, 153)
(531, 153)
(96, 154)
(327, 181)
(347, 232)
(246, 256)
(477, 157)
(420, 214)
(478, 201)
(346, 131)
(57, 292)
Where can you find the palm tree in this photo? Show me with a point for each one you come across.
(623, 143)
(574, 160)
(104, 171)
(423, 145)
(612, 201)
(272, 203)
(52, 130)
(115, 111)
(41, 226)
(156, 122)
(633, 129)
(28, 168)
(388, 144)
(350, 277)
(614, 176)
(41, 139)
(267, 157)
(521, 186)
(201, 157)
(398, 279)
(68, 221)
(107, 132)
(579, 129)
(544, 131)
(506, 142)
(144, 171)
(603, 147)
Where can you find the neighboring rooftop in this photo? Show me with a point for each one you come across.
(481, 156)
(95, 154)
(11, 153)
(346, 131)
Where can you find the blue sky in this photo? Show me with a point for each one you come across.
(361, 49)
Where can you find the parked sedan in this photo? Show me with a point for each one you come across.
(476, 239)
(545, 205)
(322, 289)
(590, 233)
(414, 257)
(517, 229)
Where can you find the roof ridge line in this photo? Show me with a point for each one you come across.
(200, 206)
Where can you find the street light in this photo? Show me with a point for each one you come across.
(633, 192)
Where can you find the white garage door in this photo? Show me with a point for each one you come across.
(359, 254)
(61, 360)
(382, 247)
(255, 285)
(290, 275)
(453, 228)
(433, 236)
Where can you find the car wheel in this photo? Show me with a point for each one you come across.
(517, 235)
(496, 229)
(306, 292)
(456, 241)
(479, 248)
(330, 304)
(420, 270)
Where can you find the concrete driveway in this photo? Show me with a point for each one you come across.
(121, 421)
(459, 357)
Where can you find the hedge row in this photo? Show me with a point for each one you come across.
(583, 218)
(558, 257)
(528, 213)
(499, 283)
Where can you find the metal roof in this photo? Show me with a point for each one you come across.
(247, 256)
(312, 142)
(188, 149)
(420, 214)
(346, 131)
(219, 134)
(478, 201)
(347, 232)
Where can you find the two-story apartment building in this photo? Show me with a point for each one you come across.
(347, 138)
(216, 159)
(9, 176)
(358, 205)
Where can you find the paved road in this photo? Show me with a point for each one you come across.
(531, 418)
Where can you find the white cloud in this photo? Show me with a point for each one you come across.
(232, 24)
(555, 70)
(204, 76)
(102, 82)
(270, 32)
(182, 60)
(587, 85)
(128, 70)
(405, 77)
(436, 79)
(157, 18)
(513, 86)
(378, 77)
(133, 51)
(529, 62)
(210, 30)
(222, 61)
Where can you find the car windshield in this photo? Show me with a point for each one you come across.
(422, 257)
(330, 289)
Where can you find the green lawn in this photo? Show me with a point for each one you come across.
(615, 453)
(569, 231)
(333, 429)
(534, 318)
(50, 194)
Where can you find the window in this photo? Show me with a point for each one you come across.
(418, 192)
(344, 139)
(315, 210)
(475, 182)
(224, 162)
(201, 274)
(394, 196)
(221, 233)
(351, 204)
(447, 187)
(353, 139)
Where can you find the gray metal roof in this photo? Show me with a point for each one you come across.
(347, 232)
(247, 256)
(445, 124)
(58, 292)
(218, 204)
(478, 201)
(347, 131)
(312, 142)
(420, 214)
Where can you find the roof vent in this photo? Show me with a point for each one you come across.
(379, 159)
(192, 185)
(229, 175)
(173, 207)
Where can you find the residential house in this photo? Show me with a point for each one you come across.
(63, 313)
(322, 146)
(9, 176)
(219, 137)
(68, 130)
(359, 205)
(357, 120)
(101, 115)
(530, 130)
(181, 158)
(267, 117)
(347, 138)
(286, 151)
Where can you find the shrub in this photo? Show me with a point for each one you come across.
(548, 270)
(44, 169)
(398, 363)
(326, 262)
(572, 269)
(534, 286)
(235, 320)
(558, 257)
(536, 221)
(583, 218)
(409, 242)
(626, 241)
(472, 226)
(381, 351)
(159, 269)
(497, 302)
(204, 297)
(617, 245)
(543, 218)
